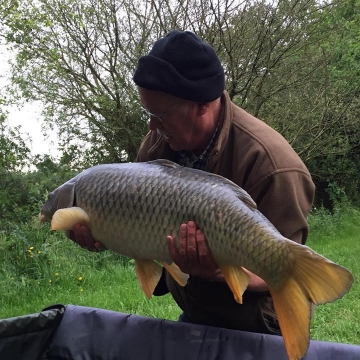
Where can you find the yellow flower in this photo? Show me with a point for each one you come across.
(31, 248)
(39, 252)
(81, 289)
(50, 281)
(80, 278)
(56, 274)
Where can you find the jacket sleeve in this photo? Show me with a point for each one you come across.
(285, 198)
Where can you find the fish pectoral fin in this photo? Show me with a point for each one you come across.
(237, 279)
(65, 219)
(148, 273)
(180, 277)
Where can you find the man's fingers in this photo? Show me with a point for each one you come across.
(81, 234)
(204, 254)
(88, 238)
(193, 255)
(77, 236)
(192, 250)
(183, 242)
(173, 250)
(99, 246)
(179, 255)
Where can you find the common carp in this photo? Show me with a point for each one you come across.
(132, 207)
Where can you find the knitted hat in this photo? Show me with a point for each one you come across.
(183, 65)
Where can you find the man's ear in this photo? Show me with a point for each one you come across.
(203, 108)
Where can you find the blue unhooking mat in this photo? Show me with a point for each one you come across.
(83, 333)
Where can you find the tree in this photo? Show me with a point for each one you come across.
(73, 56)
(14, 153)
(341, 166)
(14, 157)
(328, 139)
(78, 58)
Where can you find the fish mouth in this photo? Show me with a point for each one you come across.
(42, 218)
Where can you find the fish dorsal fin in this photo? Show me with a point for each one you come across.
(164, 162)
(240, 192)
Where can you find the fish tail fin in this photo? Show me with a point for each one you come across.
(312, 279)
(293, 309)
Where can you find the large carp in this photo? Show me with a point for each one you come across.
(132, 207)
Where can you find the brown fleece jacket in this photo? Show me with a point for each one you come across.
(262, 162)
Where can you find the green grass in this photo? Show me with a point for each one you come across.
(40, 268)
(43, 268)
(338, 238)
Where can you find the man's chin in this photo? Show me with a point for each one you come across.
(173, 144)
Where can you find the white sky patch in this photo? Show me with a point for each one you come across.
(28, 115)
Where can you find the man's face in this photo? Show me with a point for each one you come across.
(172, 117)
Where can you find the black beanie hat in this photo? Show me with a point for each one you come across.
(183, 65)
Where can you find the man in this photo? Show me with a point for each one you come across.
(194, 123)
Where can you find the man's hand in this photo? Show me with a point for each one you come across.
(193, 255)
(81, 234)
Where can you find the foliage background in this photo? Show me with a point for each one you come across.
(293, 63)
